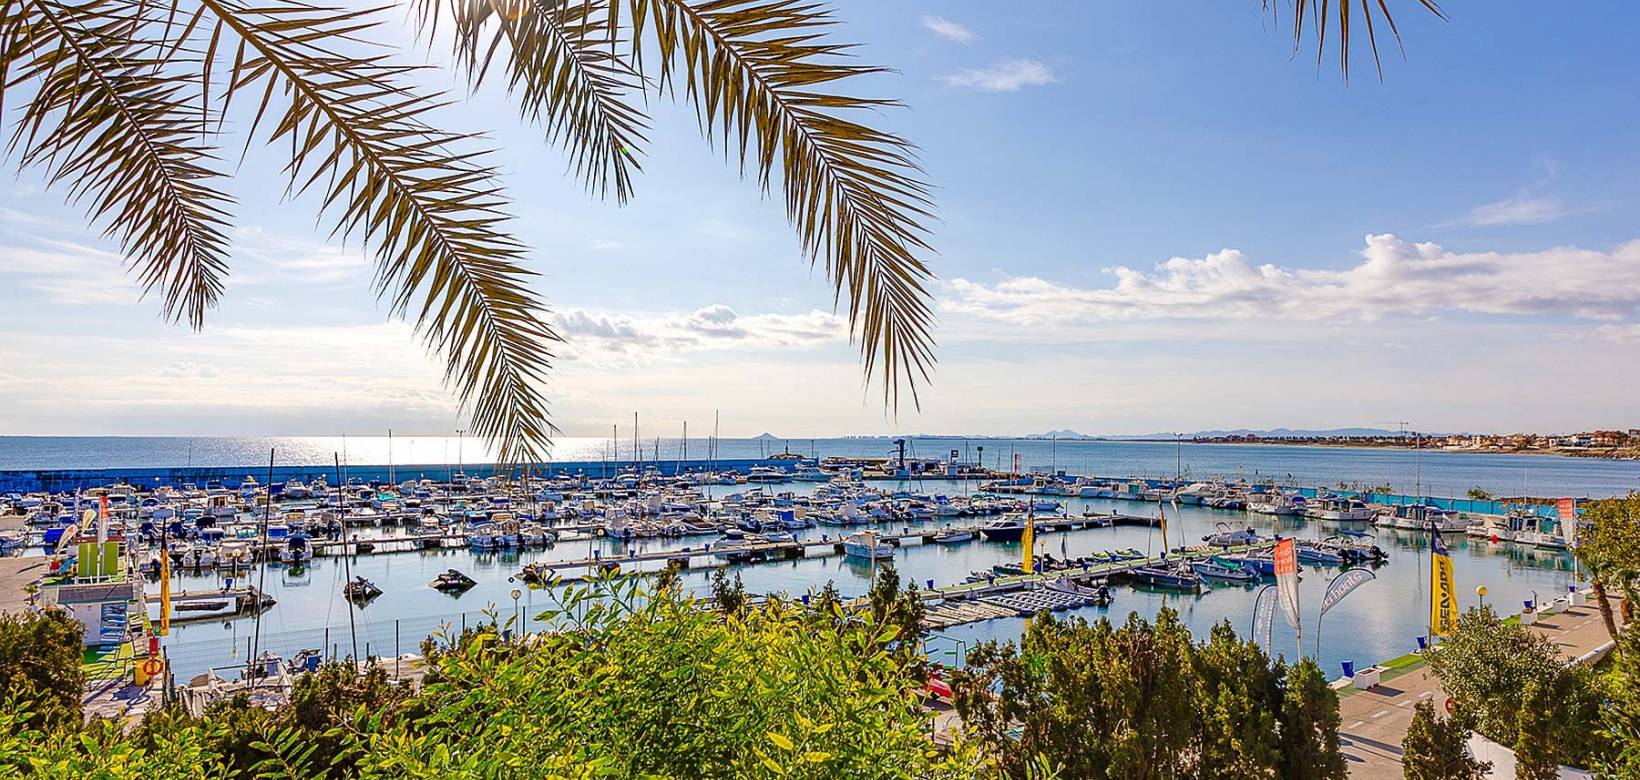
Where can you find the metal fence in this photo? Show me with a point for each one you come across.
(366, 638)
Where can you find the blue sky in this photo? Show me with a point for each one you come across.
(1152, 217)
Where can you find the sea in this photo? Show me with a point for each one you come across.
(1427, 472)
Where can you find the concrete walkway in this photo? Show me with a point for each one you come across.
(1374, 722)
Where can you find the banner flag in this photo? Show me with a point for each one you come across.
(1264, 617)
(1343, 584)
(1287, 579)
(1443, 589)
(1567, 507)
(1028, 540)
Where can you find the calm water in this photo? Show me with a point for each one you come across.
(1379, 621)
(1443, 474)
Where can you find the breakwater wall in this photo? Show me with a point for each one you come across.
(69, 480)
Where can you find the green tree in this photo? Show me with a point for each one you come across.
(1479, 493)
(1608, 545)
(1144, 701)
(1241, 694)
(1436, 748)
(1620, 719)
(1309, 726)
(1535, 753)
(40, 674)
(901, 610)
(1488, 666)
(729, 596)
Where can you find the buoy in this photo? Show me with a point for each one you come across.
(149, 669)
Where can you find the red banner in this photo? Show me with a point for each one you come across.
(1567, 507)
(1286, 556)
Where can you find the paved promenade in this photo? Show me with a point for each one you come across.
(1373, 722)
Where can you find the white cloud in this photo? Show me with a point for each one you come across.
(1519, 210)
(626, 338)
(949, 30)
(1625, 335)
(1003, 77)
(182, 369)
(69, 273)
(1395, 279)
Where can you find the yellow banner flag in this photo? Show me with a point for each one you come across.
(1028, 539)
(1443, 589)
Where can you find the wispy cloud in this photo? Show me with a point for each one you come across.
(1530, 205)
(69, 273)
(1519, 210)
(949, 30)
(1395, 279)
(1003, 77)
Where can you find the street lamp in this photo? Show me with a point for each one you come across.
(516, 594)
(1480, 590)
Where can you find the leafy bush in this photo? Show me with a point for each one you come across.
(40, 674)
(632, 684)
(1144, 701)
(1488, 667)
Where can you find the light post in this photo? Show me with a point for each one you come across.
(516, 594)
(1480, 590)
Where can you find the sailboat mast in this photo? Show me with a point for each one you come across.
(347, 567)
(1418, 465)
(262, 573)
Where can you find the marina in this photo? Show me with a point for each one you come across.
(409, 557)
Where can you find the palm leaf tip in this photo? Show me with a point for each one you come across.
(561, 62)
(117, 133)
(762, 81)
(1333, 18)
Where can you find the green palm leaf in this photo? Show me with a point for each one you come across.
(434, 214)
(758, 73)
(563, 68)
(119, 135)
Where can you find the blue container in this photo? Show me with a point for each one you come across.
(1349, 668)
(1423, 643)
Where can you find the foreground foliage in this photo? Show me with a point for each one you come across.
(1145, 701)
(630, 684)
(40, 674)
(1608, 544)
(1436, 748)
(1516, 687)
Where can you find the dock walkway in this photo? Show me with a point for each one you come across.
(1374, 722)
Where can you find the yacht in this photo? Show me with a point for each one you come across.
(867, 546)
(1275, 503)
(1337, 509)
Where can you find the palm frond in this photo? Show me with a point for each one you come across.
(1334, 17)
(122, 138)
(757, 72)
(562, 62)
(434, 214)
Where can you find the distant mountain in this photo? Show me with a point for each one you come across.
(766, 436)
(1065, 433)
(1278, 433)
